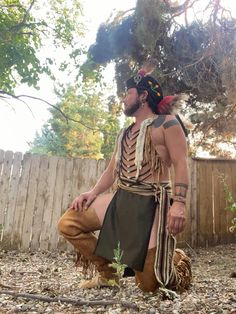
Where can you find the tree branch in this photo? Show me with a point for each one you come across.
(77, 302)
(215, 12)
(27, 11)
(4, 98)
(194, 63)
(22, 23)
(179, 9)
(67, 118)
(17, 27)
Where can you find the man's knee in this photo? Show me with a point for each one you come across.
(62, 226)
(65, 225)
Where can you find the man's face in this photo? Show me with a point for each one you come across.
(132, 102)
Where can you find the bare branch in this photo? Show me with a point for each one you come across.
(216, 9)
(179, 10)
(77, 302)
(28, 11)
(5, 100)
(2, 97)
(67, 118)
(25, 33)
(17, 27)
(186, 66)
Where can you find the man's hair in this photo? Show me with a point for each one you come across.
(149, 100)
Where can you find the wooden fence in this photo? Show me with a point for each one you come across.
(35, 191)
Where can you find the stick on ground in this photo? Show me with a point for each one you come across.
(77, 302)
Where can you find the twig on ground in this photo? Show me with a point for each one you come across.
(78, 302)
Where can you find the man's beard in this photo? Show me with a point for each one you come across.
(129, 112)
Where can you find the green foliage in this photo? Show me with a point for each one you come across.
(119, 272)
(90, 134)
(110, 127)
(196, 58)
(17, 46)
(148, 19)
(118, 266)
(24, 30)
(230, 201)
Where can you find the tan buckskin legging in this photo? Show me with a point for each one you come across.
(77, 228)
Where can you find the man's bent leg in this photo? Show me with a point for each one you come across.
(146, 280)
(181, 262)
(77, 228)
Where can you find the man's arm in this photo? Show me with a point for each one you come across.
(177, 147)
(107, 178)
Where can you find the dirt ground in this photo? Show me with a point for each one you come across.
(53, 274)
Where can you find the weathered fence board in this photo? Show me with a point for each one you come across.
(12, 195)
(4, 184)
(49, 204)
(67, 197)
(205, 192)
(30, 203)
(36, 190)
(193, 206)
(57, 210)
(40, 202)
(21, 201)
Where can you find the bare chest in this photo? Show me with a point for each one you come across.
(158, 140)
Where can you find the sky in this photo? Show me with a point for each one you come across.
(18, 123)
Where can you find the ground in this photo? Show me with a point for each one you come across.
(53, 274)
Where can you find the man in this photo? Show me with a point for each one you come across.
(138, 216)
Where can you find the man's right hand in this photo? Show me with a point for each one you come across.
(83, 201)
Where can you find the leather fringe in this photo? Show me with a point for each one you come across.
(182, 265)
(88, 269)
(152, 157)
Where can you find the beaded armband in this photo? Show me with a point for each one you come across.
(180, 192)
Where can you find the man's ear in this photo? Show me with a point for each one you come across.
(144, 96)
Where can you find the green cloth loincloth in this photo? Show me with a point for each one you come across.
(128, 221)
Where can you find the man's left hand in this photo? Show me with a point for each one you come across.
(176, 218)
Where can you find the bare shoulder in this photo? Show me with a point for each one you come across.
(170, 121)
(159, 121)
(165, 121)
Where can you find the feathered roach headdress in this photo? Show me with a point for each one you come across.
(159, 104)
(143, 81)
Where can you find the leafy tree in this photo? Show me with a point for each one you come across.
(110, 127)
(28, 26)
(81, 125)
(90, 133)
(195, 56)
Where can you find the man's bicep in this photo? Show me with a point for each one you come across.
(175, 140)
